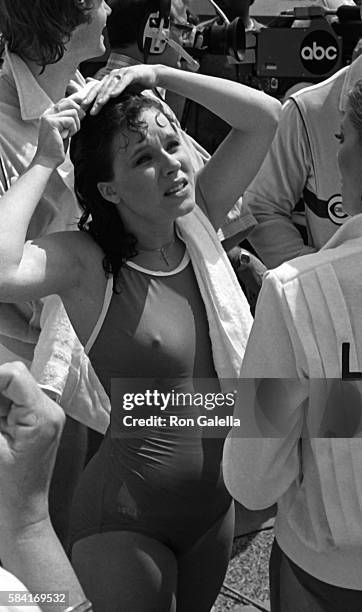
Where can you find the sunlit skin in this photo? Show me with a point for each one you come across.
(153, 180)
(88, 37)
(349, 163)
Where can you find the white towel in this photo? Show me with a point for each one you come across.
(61, 366)
(227, 309)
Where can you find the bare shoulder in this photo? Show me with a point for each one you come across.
(73, 247)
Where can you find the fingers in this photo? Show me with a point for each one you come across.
(111, 86)
(98, 93)
(68, 123)
(85, 96)
(66, 116)
(18, 385)
(28, 404)
(4, 406)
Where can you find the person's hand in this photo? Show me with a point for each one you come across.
(249, 271)
(30, 429)
(143, 76)
(57, 124)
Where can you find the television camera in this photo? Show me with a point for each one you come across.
(304, 44)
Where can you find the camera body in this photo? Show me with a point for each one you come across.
(306, 44)
(282, 55)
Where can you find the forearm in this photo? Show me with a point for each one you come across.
(16, 209)
(36, 557)
(242, 107)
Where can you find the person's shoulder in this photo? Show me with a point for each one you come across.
(77, 246)
(320, 92)
(342, 258)
(78, 240)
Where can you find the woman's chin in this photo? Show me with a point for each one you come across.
(186, 207)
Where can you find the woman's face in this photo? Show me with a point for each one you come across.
(350, 166)
(87, 40)
(153, 180)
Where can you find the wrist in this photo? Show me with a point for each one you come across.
(21, 526)
(162, 73)
(48, 165)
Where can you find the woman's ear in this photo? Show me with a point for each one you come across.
(108, 192)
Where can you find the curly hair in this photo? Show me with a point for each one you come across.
(92, 151)
(38, 30)
(355, 106)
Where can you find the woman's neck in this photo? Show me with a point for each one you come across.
(164, 257)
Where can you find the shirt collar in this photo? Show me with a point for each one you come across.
(33, 100)
(353, 74)
(118, 60)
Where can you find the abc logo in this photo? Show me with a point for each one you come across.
(319, 52)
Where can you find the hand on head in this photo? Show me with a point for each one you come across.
(113, 84)
(30, 429)
(62, 120)
(57, 124)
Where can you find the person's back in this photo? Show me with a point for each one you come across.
(303, 450)
(300, 172)
(303, 408)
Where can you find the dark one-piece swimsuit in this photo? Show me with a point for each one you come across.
(164, 482)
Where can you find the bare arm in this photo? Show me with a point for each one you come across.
(34, 269)
(30, 429)
(253, 116)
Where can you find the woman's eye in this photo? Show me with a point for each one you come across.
(339, 137)
(172, 145)
(142, 160)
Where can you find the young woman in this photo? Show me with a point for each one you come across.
(303, 410)
(153, 522)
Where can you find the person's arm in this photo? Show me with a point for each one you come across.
(277, 188)
(35, 269)
(261, 456)
(30, 429)
(252, 114)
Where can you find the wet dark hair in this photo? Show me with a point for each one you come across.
(92, 152)
(38, 30)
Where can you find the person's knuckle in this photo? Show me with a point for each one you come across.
(19, 370)
(53, 417)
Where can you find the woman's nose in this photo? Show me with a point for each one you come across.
(170, 163)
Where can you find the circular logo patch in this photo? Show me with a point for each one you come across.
(335, 210)
(319, 52)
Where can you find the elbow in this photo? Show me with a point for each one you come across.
(253, 494)
(246, 473)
